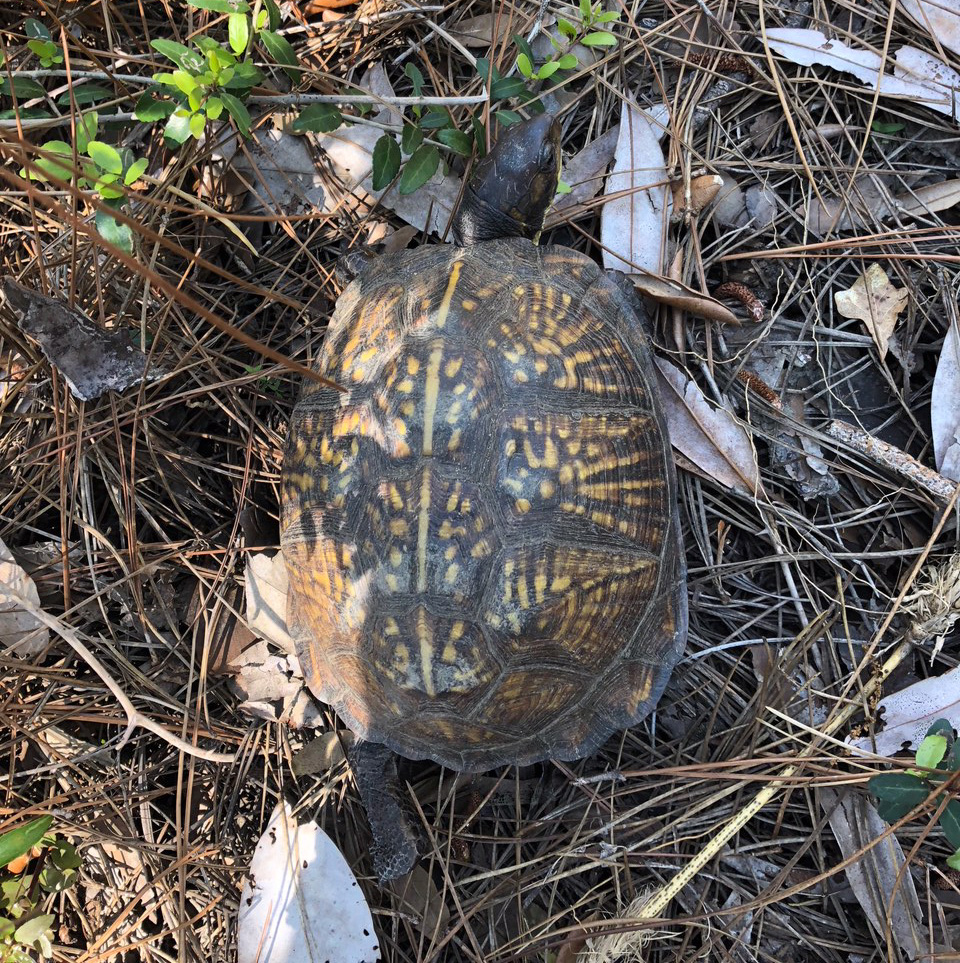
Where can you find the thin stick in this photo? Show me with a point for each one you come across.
(135, 718)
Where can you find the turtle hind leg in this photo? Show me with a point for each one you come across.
(394, 847)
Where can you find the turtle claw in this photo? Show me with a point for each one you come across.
(394, 846)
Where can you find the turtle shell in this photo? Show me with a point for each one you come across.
(481, 533)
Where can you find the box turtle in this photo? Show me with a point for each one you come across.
(481, 531)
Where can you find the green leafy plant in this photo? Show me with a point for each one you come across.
(937, 759)
(41, 43)
(211, 78)
(102, 168)
(38, 865)
(584, 33)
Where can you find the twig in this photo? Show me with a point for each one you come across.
(893, 458)
(135, 718)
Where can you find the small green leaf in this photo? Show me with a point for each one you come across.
(7, 926)
(585, 10)
(318, 118)
(65, 855)
(245, 76)
(172, 50)
(950, 822)
(107, 158)
(601, 38)
(386, 161)
(184, 82)
(508, 117)
(419, 168)
(523, 47)
(213, 108)
(221, 6)
(35, 29)
(568, 62)
(954, 861)
(607, 17)
(563, 187)
(931, 751)
(457, 141)
(412, 72)
(279, 48)
(87, 94)
(112, 231)
(150, 108)
(87, 130)
(177, 129)
(880, 127)
(548, 69)
(436, 118)
(45, 49)
(566, 28)
(23, 87)
(897, 793)
(238, 32)
(506, 87)
(35, 927)
(197, 124)
(941, 727)
(195, 100)
(410, 139)
(486, 70)
(21, 840)
(239, 113)
(132, 174)
(274, 12)
(524, 65)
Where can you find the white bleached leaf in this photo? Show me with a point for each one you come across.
(941, 19)
(909, 713)
(15, 623)
(265, 581)
(874, 301)
(349, 151)
(883, 889)
(927, 86)
(301, 902)
(710, 437)
(633, 221)
(945, 406)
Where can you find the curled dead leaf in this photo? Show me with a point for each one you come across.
(876, 302)
(711, 438)
(665, 290)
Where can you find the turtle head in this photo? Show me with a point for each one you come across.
(513, 186)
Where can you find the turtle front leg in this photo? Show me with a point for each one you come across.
(394, 848)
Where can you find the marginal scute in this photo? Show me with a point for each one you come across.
(481, 533)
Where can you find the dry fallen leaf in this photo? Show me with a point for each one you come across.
(634, 219)
(710, 437)
(931, 82)
(930, 199)
(940, 18)
(483, 30)
(677, 295)
(875, 302)
(883, 887)
(301, 902)
(945, 406)
(92, 360)
(584, 174)
(265, 580)
(15, 623)
(909, 713)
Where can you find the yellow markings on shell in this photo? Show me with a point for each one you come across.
(565, 474)
(392, 583)
(481, 549)
(449, 652)
(451, 574)
(451, 553)
(444, 310)
(406, 386)
(454, 442)
(399, 527)
(425, 638)
(401, 658)
(547, 489)
(468, 304)
(396, 557)
(431, 395)
(423, 527)
(560, 584)
(413, 365)
(523, 505)
(452, 367)
(457, 630)
(407, 408)
(391, 627)
(539, 586)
